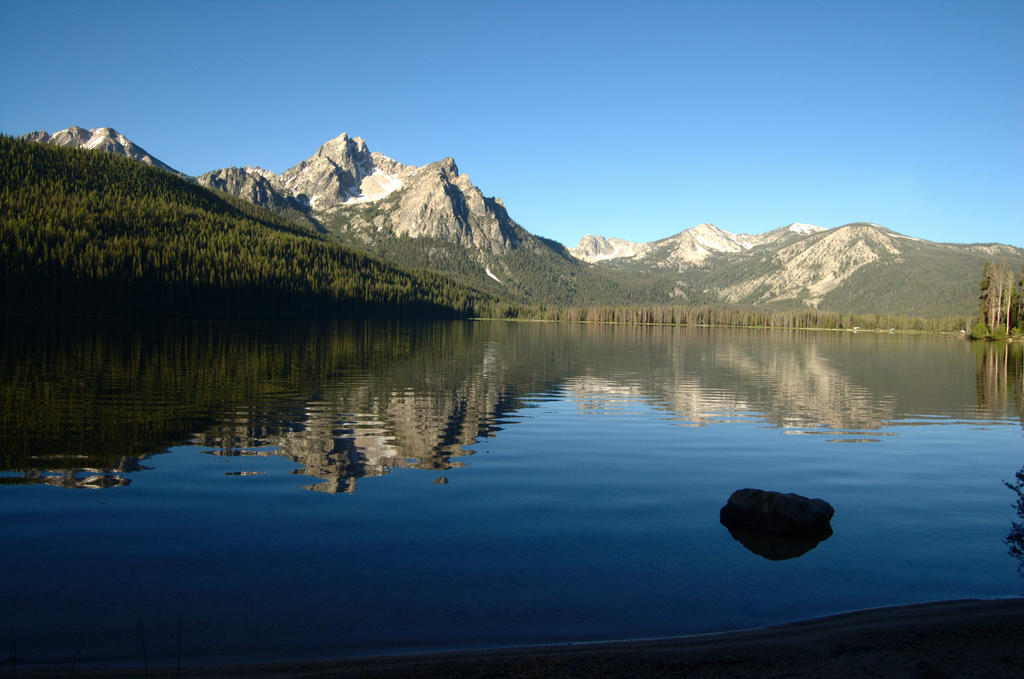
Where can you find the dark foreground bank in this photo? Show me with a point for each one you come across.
(964, 638)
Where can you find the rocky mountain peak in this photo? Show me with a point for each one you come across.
(103, 138)
(334, 174)
(598, 249)
(694, 245)
(707, 229)
(439, 202)
(435, 200)
(804, 229)
(349, 153)
(445, 168)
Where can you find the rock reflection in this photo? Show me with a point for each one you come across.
(777, 547)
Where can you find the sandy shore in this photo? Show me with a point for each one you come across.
(967, 638)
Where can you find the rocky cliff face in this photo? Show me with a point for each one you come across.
(346, 185)
(436, 201)
(103, 138)
(254, 184)
(343, 171)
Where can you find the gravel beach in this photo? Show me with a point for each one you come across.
(963, 638)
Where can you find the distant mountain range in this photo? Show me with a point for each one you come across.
(434, 217)
(686, 248)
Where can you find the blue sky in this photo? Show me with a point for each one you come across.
(629, 119)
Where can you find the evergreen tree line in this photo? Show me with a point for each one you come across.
(737, 317)
(1001, 302)
(96, 233)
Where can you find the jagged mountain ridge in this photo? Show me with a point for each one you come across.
(103, 138)
(434, 217)
(686, 248)
(435, 200)
(858, 267)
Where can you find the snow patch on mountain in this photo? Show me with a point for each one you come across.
(806, 229)
(374, 186)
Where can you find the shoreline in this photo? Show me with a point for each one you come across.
(958, 638)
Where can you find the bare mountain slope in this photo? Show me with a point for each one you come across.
(814, 266)
(858, 267)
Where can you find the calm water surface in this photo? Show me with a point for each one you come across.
(331, 490)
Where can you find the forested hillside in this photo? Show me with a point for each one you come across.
(88, 232)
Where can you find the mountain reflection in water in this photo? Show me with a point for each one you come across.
(544, 483)
(84, 403)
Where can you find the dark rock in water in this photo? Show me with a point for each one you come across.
(779, 514)
(776, 547)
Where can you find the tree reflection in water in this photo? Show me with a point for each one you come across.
(1015, 538)
(81, 403)
(1001, 386)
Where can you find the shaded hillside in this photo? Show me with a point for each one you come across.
(90, 232)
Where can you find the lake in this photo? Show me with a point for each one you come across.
(270, 492)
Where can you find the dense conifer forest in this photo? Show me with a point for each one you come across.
(93, 233)
(794, 319)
